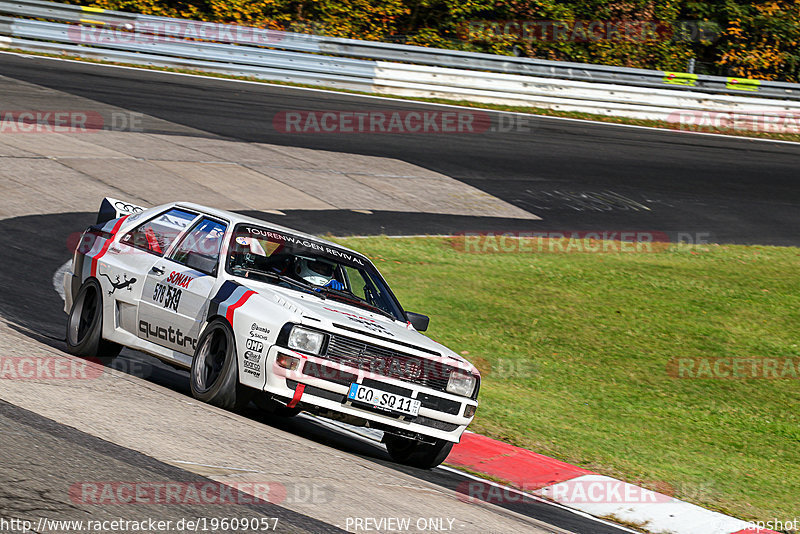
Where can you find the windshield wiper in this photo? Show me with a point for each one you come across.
(283, 278)
(346, 295)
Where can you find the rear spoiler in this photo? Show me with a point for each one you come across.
(112, 208)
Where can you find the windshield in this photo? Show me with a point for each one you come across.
(298, 263)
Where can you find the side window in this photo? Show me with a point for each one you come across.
(157, 234)
(200, 248)
(361, 284)
(357, 285)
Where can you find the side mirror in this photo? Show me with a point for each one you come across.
(201, 263)
(418, 321)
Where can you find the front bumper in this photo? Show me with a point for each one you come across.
(441, 415)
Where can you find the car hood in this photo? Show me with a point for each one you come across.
(326, 314)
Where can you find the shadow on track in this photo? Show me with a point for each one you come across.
(34, 248)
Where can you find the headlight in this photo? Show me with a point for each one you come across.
(461, 383)
(306, 340)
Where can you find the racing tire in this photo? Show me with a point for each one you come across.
(416, 453)
(214, 376)
(85, 325)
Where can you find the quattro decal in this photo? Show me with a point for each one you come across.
(169, 334)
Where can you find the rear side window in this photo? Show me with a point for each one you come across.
(200, 248)
(157, 234)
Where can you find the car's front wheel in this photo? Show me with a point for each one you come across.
(417, 453)
(85, 325)
(214, 375)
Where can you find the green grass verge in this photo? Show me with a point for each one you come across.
(532, 110)
(574, 349)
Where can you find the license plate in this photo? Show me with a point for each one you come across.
(382, 400)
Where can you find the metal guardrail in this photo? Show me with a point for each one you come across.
(566, 95)
(202, 50)
(232, 69)
(352, 48)
(164, 26)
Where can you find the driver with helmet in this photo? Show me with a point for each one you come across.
(317, 272)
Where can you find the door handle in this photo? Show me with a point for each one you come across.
(157, 270)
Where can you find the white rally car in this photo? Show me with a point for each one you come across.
(261, 312)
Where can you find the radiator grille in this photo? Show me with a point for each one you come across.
(381, 361)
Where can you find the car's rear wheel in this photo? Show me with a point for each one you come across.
(85, 325)
(417, 453)
(214, 375)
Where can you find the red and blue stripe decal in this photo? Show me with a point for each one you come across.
(115, 226)
(230, 297)
(88, 260)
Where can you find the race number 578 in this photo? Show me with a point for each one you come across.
(167, 296)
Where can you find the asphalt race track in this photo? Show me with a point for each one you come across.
(573, 175)
(725, 189)
(33, 484)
